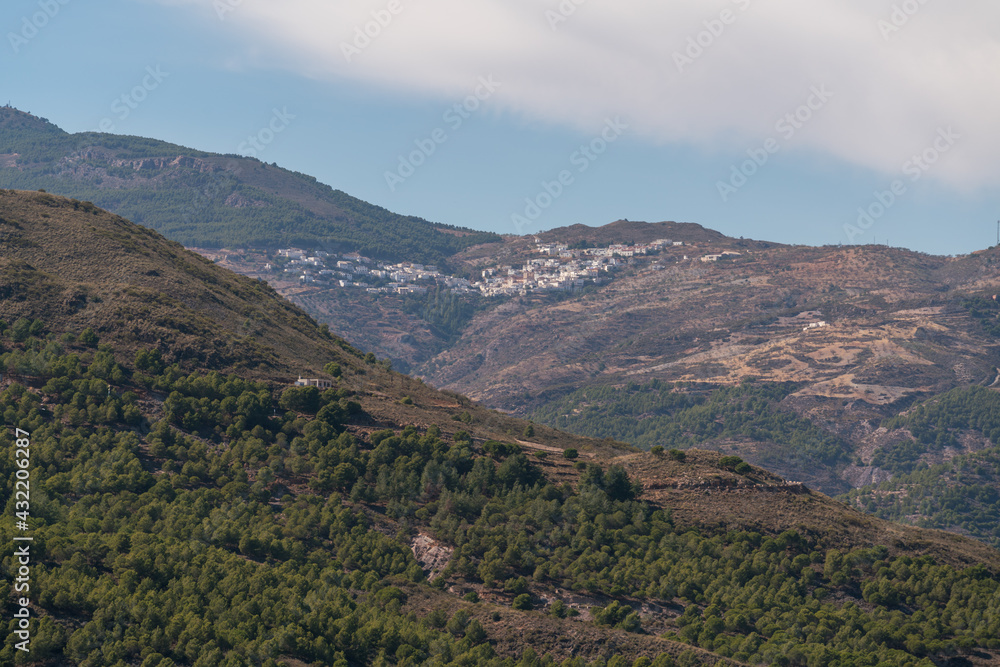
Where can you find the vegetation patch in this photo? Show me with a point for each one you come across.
(664, 414)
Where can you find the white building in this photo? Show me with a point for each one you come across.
(313, 382)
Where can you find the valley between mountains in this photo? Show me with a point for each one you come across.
(861, 332)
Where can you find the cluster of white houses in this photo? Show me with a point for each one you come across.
(613, 250)
(565, 269)
(560, 268)
(544, 274)
(406, 277)
(355, 270)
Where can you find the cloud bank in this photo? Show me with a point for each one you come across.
(720, 75)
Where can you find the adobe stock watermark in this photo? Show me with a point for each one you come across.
(899, 17)
(365, 34)
(31, 25)
(561, 14)
(126, 103)
(256, 143)
(582, 159)
(787, 127)
(224, 7)
(700, 42)
(914, 168)
(454, 117)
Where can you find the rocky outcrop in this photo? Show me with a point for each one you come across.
(432, 556)
(156, 163)
(859, 476)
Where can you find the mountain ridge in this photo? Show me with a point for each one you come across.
(898, 330)
(212, 200)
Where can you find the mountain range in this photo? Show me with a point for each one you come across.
(198, 508)
(899, 327)
(635, 472)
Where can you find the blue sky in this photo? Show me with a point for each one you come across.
(759, 118)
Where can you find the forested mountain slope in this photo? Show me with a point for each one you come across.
(189, 509)
(947, 460)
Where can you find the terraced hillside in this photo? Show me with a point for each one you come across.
(862, 332)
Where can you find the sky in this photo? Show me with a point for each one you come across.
(821, 122)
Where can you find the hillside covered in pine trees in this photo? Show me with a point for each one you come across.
(189, 506)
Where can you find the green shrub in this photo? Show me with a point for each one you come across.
(458, 623)
(500, 450)
(149, 361)
(617, 615)
(522, 602)
(475, 633)
(516, 585)
(730, 462)
(89, 338)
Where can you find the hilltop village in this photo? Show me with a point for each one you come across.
(562, 268)
(553, 267)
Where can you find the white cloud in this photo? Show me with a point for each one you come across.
(892, 89)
